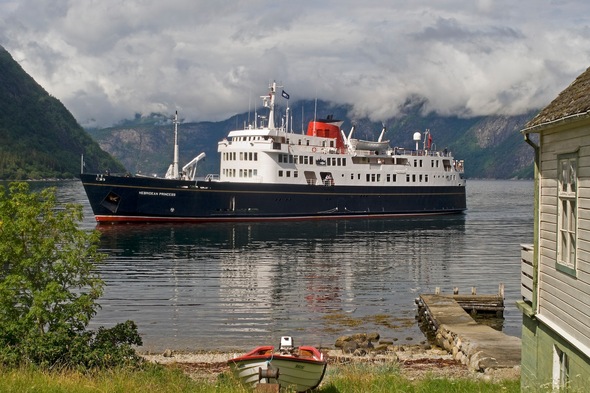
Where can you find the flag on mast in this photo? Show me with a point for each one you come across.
(285, 95)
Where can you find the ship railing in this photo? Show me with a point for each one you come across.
(212, 177)
(526, 272)
(400, 151)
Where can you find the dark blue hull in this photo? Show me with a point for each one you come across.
(144, 199)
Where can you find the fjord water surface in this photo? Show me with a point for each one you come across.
(237, 285)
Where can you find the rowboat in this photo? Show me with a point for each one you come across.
(299, 368)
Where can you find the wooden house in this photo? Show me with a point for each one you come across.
(555, 270)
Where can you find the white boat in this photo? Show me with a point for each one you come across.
(299, 368)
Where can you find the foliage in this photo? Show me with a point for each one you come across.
(49, 286)
(39, 137)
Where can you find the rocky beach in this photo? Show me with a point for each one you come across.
(413, 361)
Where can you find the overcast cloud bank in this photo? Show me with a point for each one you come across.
(106, 60)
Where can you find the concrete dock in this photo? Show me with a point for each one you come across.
(478, 346)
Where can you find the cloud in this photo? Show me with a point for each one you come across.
(107, 60)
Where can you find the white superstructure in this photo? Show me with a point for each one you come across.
(326, 156)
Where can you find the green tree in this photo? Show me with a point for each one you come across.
(49, 285)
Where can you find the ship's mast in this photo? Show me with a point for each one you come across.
(269, 102)
(175, 162)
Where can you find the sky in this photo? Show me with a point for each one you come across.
(107, 60)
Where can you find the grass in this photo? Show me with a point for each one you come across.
(153, 379)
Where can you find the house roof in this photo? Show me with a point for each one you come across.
(571, 102)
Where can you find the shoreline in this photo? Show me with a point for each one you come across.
(415, 362)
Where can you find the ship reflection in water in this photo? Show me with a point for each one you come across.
(230, 285)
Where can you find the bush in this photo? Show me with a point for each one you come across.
(49, 286)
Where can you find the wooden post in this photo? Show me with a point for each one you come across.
(437, 291)
(456, 291)
(501, 290)
(473, 291)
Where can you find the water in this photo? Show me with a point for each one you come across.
(234, 286)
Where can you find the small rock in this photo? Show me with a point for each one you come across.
(373, 336)
(349, 347)
(168, 353)
(340, 341)
(360, 337)
(366, 345)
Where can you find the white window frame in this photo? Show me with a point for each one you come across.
(567, 212)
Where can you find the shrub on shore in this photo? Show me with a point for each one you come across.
(49, 285)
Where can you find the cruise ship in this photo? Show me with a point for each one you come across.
(269, 172)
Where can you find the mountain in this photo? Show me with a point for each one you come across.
(39, 137)
(491, 146)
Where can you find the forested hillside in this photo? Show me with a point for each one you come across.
(39, 137)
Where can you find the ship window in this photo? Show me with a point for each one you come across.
(358, 176)
(288, 173)
(299, 142)
(388, 178)
(241, 172)
(255, 172)
(249, 172)
(426, 178)
(368, 177)
(296, 159)
(280, 173)
(290, 159)
(307, 142)
(328, 162)
(420, 163)
(413, 178)
(333, 161)
(295, 174)
(420, 179)
(305, 160)
(415, 163)
(241, 156)
(352, 176)
(378, 177)
(394, 178)
(344, 161)
(255, 156)
(331, 143)
(408, 178)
